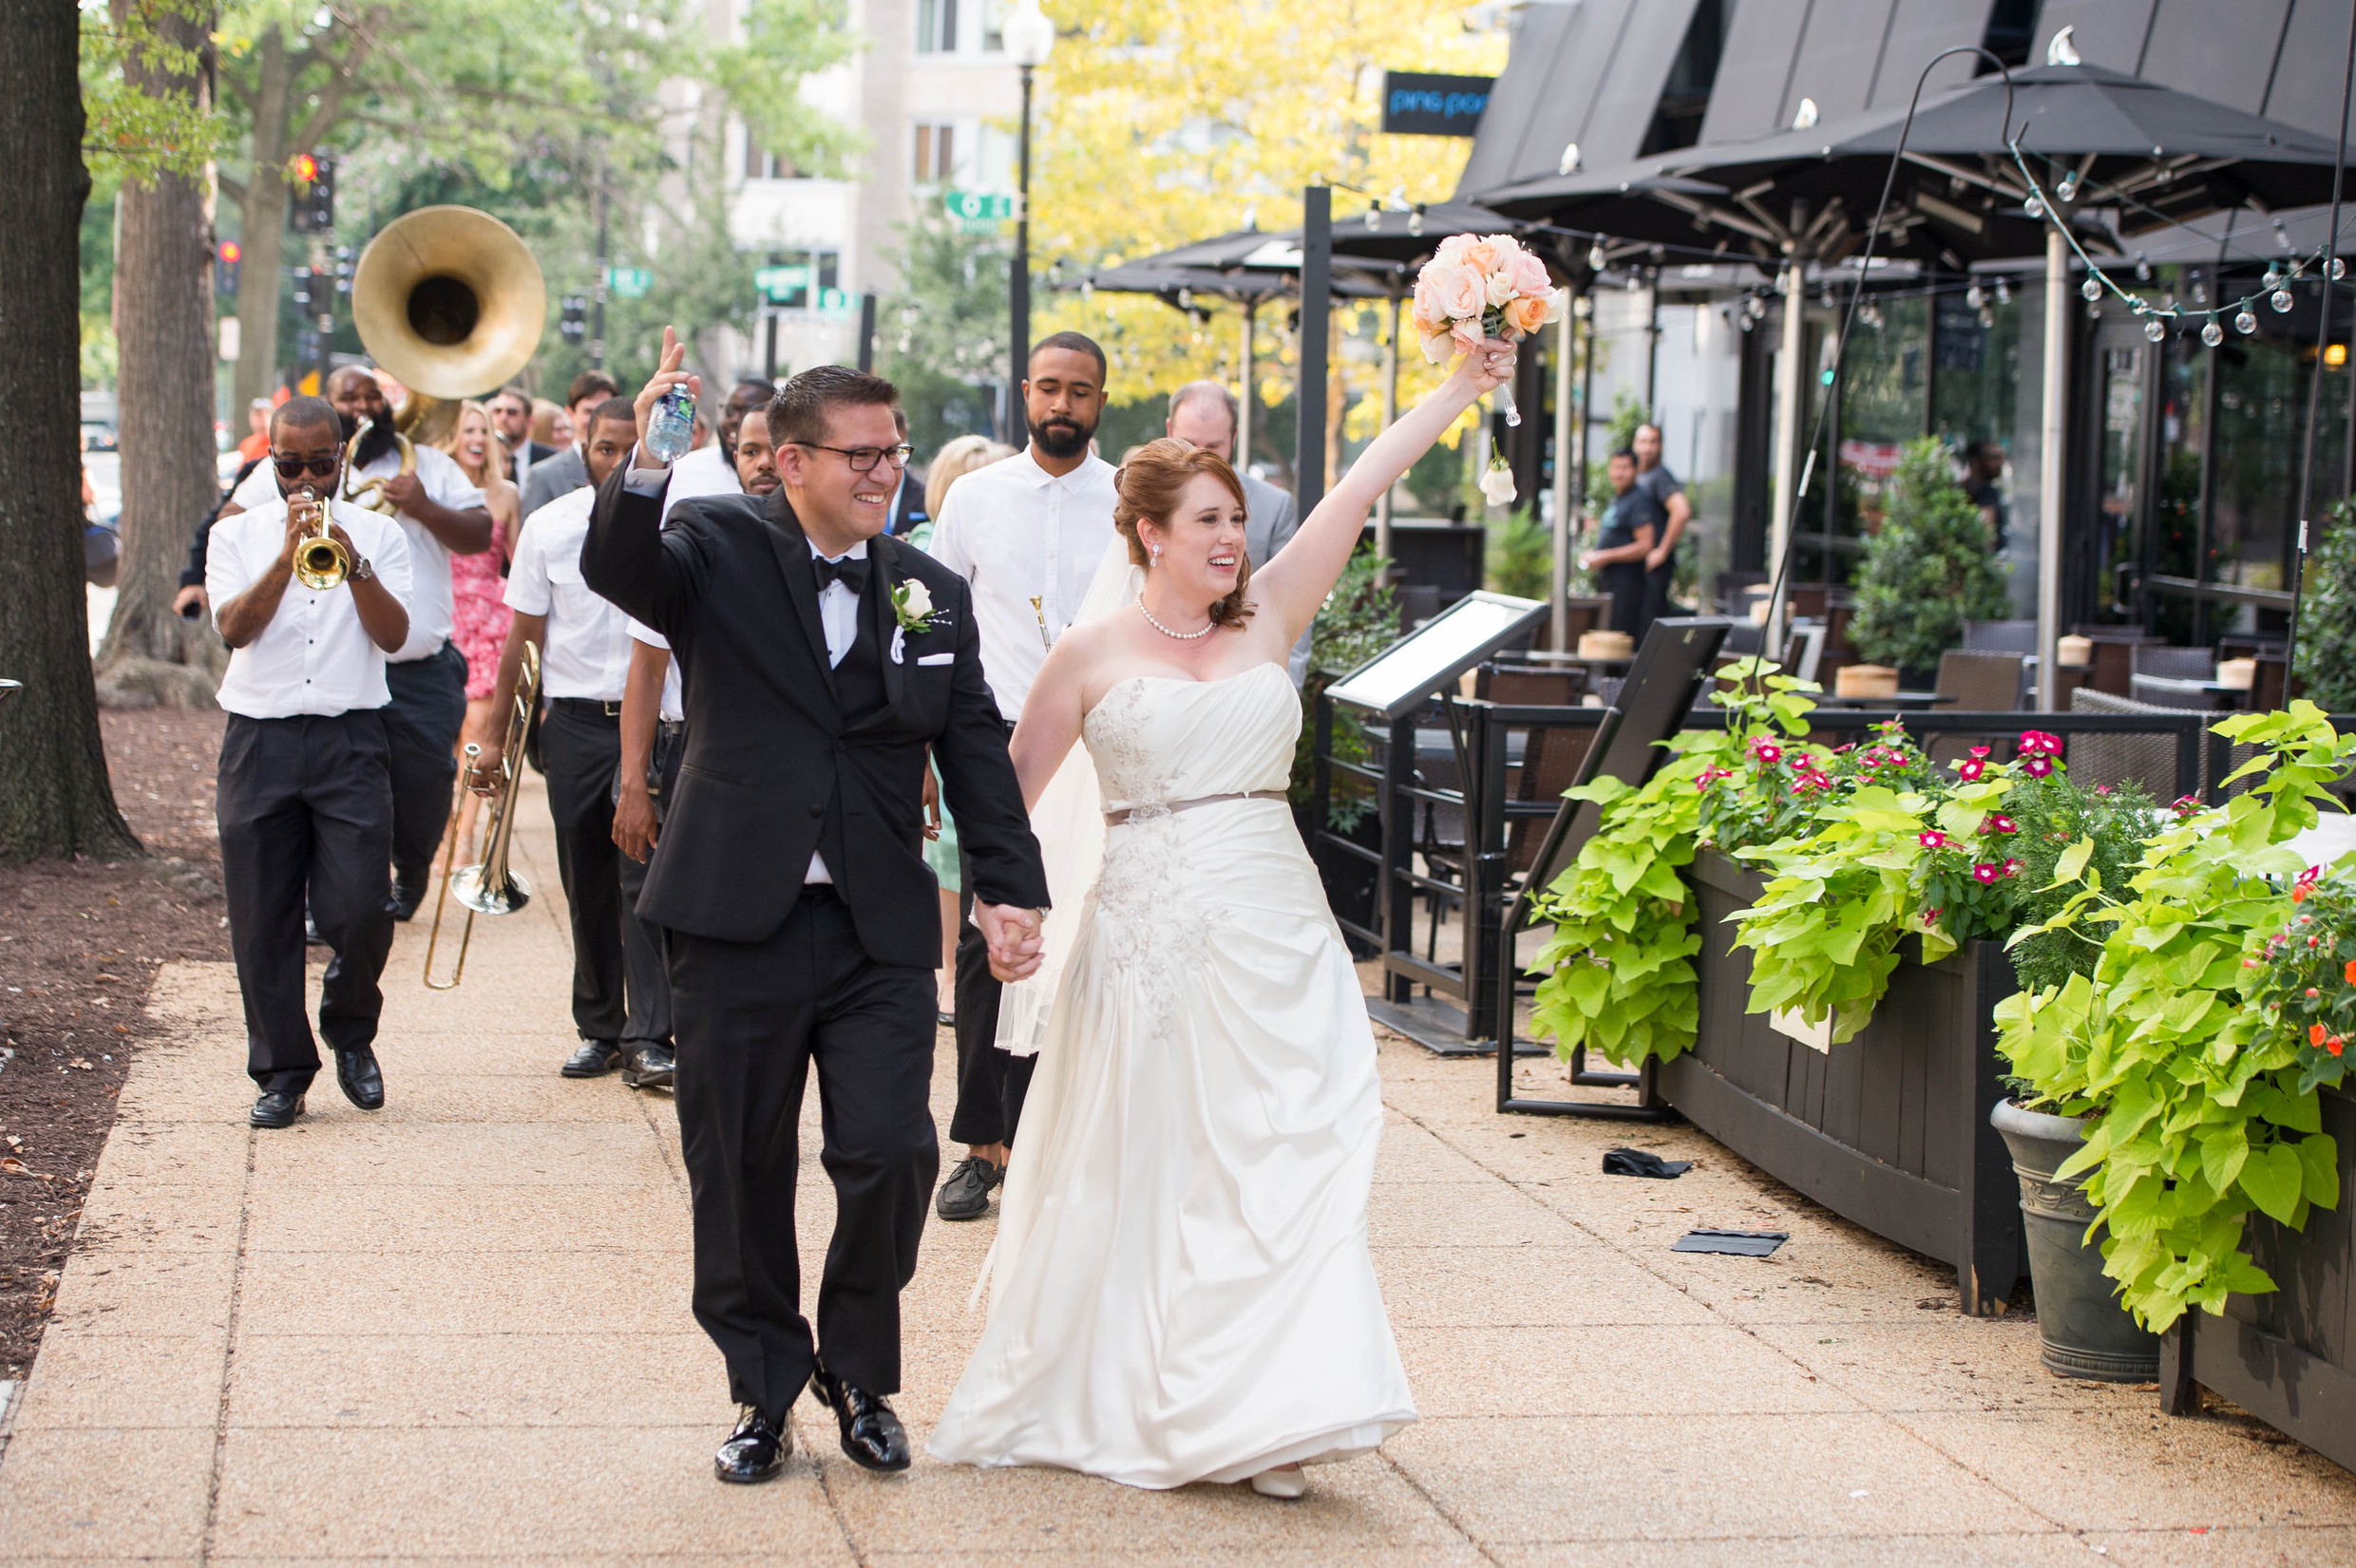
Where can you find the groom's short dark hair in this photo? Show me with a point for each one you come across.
(798, 413)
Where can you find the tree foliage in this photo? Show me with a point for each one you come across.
(1930, 568)
(2327, 620)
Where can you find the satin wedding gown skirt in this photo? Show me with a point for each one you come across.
(1180, 1287)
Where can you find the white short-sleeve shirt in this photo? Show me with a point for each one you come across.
(587, 652)
(1018, 533)
(315, 657)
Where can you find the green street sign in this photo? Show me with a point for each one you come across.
(977, 210)
(837, 301)
(628, 282)
(781, 283)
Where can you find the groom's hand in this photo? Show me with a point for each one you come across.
(1014, 937)
(667, 375)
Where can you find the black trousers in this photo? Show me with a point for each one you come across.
(648, 1019)
(990, 1083)
(1657, 584)
(429, 709)
(1624, 582)
(580, 747)
(752, 1019)
(305, 808)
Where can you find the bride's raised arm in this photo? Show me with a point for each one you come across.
(1292, 586)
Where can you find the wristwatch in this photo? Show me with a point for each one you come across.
(362, 571)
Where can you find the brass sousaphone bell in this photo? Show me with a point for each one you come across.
(449, 301)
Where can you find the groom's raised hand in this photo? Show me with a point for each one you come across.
(667, 375)
(1014, 939)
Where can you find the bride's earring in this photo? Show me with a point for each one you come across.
(1154, 551)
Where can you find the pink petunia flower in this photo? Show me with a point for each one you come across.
(1982, 751)
(1985, 874)
(2037, 767)
(2037, 743)
(1969, 772)
(1996, 822)
(1932, 838)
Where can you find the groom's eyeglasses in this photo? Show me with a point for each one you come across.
(864, 459)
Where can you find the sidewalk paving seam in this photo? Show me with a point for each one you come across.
(229, 1358)
(1437, 1507)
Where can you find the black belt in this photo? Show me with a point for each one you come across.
(587, 707)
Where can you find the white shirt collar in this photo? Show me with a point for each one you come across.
(857, 552)
(1041, 479)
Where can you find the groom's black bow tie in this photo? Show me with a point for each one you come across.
(851, 573)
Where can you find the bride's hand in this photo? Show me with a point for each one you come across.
(1489, 366)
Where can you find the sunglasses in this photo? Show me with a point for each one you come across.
(295, 468)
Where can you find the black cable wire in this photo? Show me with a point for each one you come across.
(2315, 381)
(1795, 298)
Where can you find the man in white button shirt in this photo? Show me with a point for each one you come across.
(586, 648)
(442, 513)
(1028, 533)
(305, 800)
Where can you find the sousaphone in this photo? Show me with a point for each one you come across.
(449, 301)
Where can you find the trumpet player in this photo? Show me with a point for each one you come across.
(305, 800)
(585, 652)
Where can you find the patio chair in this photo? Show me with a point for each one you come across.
(2190, 664)
(1979, 683)
(2114, 758)
(2170, 691)
(1999, 637)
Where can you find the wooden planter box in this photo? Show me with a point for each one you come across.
(2288, 1358)
(1889, 1130)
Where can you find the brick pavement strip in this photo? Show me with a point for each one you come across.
(458, 1331)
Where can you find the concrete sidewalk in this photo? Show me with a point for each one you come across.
(459, 1330)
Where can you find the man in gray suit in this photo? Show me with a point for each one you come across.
(567, 472)
(1204, 413)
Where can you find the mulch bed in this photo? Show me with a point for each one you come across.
(79, 947)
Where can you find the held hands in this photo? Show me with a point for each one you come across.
(667, 375)
(1015, 937)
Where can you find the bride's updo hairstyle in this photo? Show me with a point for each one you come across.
(1152, 484)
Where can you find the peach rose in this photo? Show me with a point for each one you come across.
(1481, 255)
(1466, 335)
(1438, 348)
(1529, 275)
(1457, 291)
(1527, 315)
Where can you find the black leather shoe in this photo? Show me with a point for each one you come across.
(276, 1109)
(595, 1059)
(362, 1080)
(966, 1194)
(648, 1067)
(407, 892)
(872, 1436)
(755, 1451)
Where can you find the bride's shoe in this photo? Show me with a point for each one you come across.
(1284, 1482)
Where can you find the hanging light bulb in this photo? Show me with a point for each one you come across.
(2244, 322)
(2155, 327)
(2338, 269)
(1374, 218)
(1414, 223)
(2272, 278)
(2093, 309)
(2143, 271)
(1186, 299)
(2066, 191)
(2033, 208)
(2211, 333)
(2280, 299)
(2004, 291)
(1744, 321)
(1974, 297)
(1596, 259)
(2092, 288)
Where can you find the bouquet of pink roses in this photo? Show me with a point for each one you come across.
(1482, 286)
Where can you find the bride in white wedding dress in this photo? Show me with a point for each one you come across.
(1181, 1288)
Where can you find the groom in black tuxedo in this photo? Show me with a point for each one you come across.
(801, 924)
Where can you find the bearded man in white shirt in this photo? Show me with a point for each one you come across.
(1028, 533)
(305, 798)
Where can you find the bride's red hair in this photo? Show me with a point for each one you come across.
(1152, 484)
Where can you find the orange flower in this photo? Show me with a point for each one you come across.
(1527, 315)
(2298, 894)
(2335, 1045)
(2351, 972)
(2314, 1034)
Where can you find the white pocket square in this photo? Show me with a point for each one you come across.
(935, 658)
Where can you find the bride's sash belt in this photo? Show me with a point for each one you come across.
(1155, 808)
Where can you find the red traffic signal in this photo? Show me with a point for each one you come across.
(231, 253)
(304, 167)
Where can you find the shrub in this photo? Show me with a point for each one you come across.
(2328, 618)
(1930, 568)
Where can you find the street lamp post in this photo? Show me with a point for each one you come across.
(1029, 36)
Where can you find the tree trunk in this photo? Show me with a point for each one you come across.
(54, 794)
(262, 229)
(164, 334)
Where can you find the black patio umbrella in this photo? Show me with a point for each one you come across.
(2144, 157)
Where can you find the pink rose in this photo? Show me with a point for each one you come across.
(1481, 255)
(1452, 249)
(1458, 292)
(1438, 348)
(1466, 335)
(1529, 275)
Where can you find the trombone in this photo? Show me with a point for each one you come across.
(322, 561)
(490, 886)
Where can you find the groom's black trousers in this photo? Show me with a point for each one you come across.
(751, 1019)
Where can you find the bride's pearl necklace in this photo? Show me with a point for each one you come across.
(1182, 636)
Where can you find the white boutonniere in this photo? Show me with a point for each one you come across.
(912, 608)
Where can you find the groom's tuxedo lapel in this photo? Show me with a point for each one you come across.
(882, 620)
(792, 549)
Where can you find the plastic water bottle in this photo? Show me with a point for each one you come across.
(671, 431)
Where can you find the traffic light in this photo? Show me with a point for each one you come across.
(573, 323)
(314, 178)
(226, 258)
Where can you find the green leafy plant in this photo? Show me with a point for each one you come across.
(1618, 971)
(1359, 619)
(1520, 555)
(1928, 569)
(2054, 815)
(2328, 621)
(2191, 1047)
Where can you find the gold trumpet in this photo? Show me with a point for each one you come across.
(370, 493)
(490, 886)
(322, 561)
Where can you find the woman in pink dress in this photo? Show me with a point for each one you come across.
(479, 609)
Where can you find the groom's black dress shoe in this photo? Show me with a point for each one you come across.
(755, 1450)
(363, 1081)
(276, 1108)
(872, 1436)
